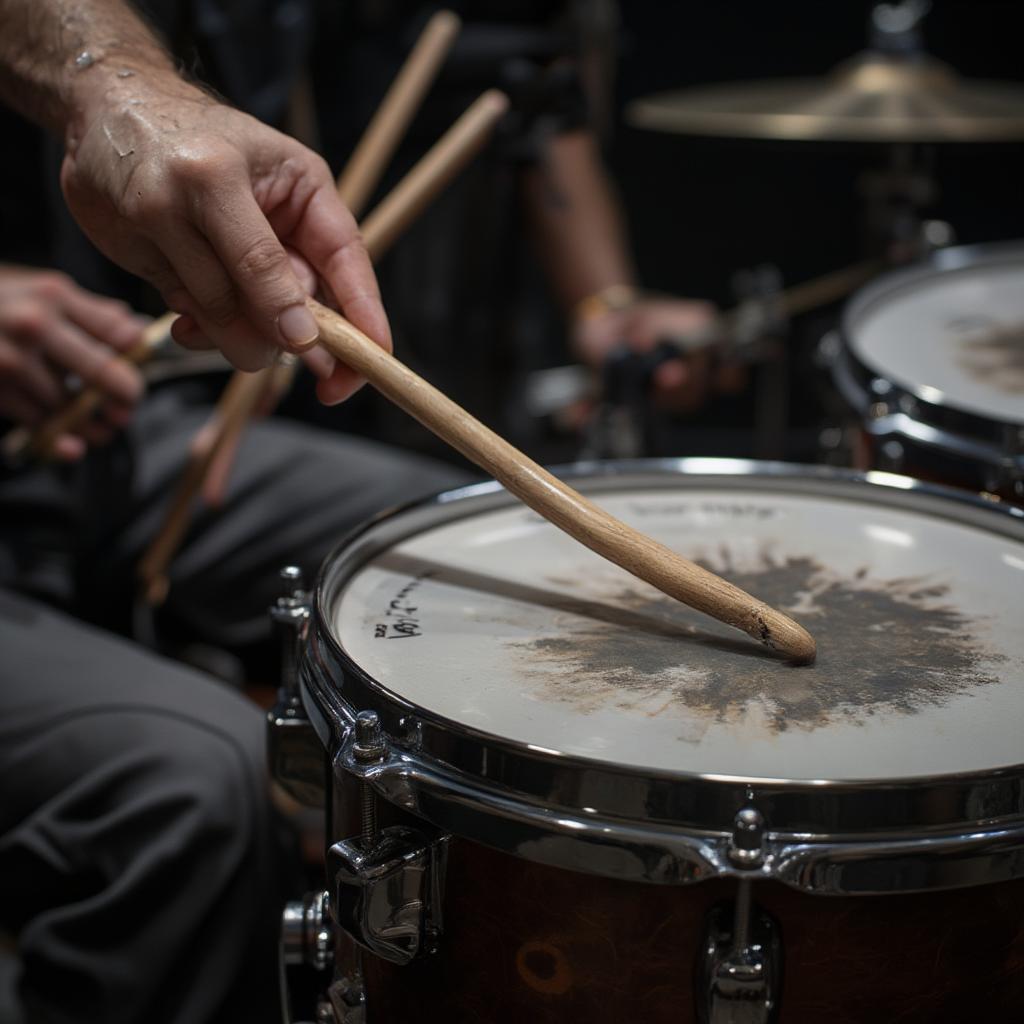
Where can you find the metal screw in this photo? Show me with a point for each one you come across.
(291, 577)
(289, 614)
(747, 846)
(369, 746)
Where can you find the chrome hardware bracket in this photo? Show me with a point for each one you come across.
(305, 932)
(347, 1000)
(295, 755)
(388, 893)
(741, 965)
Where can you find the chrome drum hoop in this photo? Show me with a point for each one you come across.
(909, 835)
(888, 409)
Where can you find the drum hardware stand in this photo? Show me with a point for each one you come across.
(622, 423)
(294, 754)
(387, 884)
(741, 966)
(759, 325)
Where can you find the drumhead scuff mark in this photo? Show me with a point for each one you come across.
(893, 646)
(996, 357)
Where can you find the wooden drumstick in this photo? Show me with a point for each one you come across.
(242, 393)
(428, 177)
(388, 126)
(432, 173)
(638, 554)
(39, 443)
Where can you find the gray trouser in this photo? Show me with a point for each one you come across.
(137, 864)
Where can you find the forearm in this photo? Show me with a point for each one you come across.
(59, 58)
(577, 220)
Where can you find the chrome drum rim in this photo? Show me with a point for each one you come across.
(837, 836)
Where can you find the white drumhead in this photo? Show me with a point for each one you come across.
(955, 337)
(500, 622)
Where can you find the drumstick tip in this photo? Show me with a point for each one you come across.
(780, 633)
(495, 101)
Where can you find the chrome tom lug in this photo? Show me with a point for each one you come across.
(741, 960)
(295, 755)
(388, 894)
(387, 883)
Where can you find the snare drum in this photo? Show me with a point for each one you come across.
(558, 796)
(932, 360)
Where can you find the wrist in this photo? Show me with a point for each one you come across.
(121, 84)
(112, 63)
(614, 298)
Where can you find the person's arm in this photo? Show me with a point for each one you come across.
(583, 244)
(208, 204)
(580, 230)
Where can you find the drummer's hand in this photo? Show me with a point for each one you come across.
(202, 201)
(51, 329)
(683, 384)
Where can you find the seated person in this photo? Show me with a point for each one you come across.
(138, 853)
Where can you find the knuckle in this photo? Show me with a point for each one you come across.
(149, 208)
(221, 307)
(28, 321)
(51, 285)
(262, 258)
(319, 169)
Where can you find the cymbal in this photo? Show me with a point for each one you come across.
(872, 97)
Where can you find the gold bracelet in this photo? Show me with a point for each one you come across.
(613, 299)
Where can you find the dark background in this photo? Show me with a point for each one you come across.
(701, 208)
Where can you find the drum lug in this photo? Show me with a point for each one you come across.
(347, 1001)
(747, 842)
(388, 892)
(306, 933)
(741, 964)
(294, 754)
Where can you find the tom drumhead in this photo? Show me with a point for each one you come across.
(499, 623)
(538, 700)
(950, 333)
(932, 360)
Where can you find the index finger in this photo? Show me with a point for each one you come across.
(327, 236)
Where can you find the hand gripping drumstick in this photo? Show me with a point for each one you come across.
(638, 554)
(356, 183)
(38, 443)
(435, 170)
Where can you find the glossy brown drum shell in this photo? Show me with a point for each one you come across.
(526, 942)
(933, 466)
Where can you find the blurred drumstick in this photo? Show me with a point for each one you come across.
(396, 211)
(239, 397)
(39, 442)
(799, 298)
(391, 120)
(638, 554)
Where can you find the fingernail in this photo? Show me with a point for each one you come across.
(298, 327)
